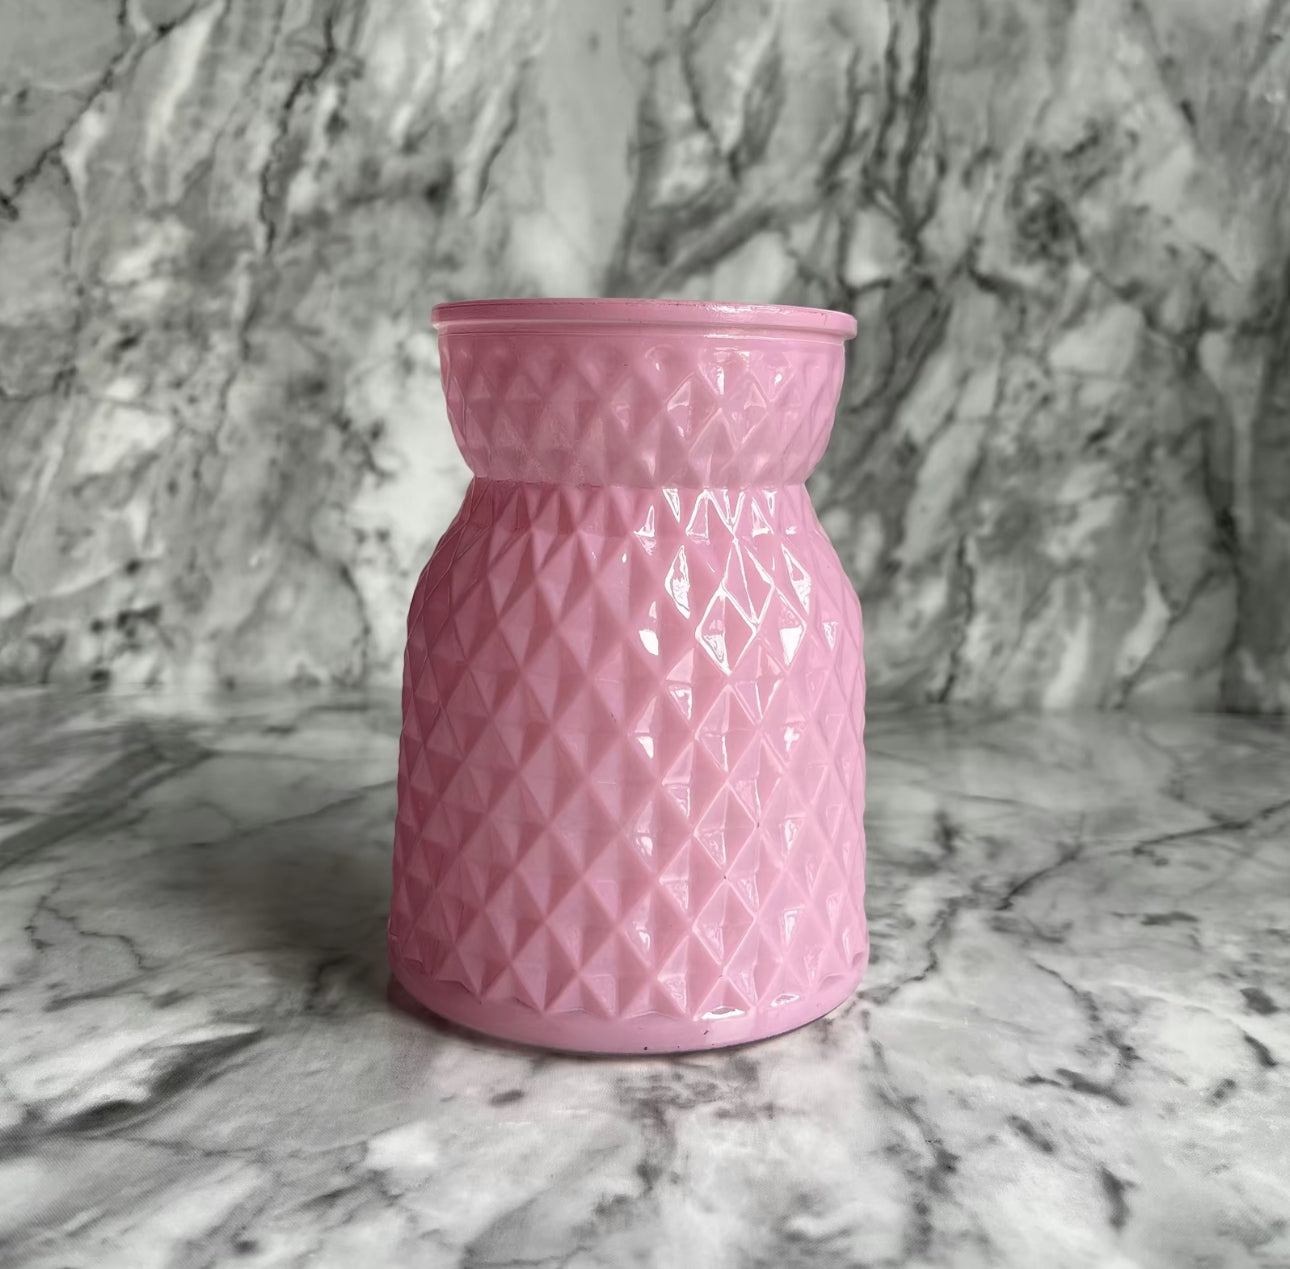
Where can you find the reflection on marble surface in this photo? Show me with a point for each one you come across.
(1072, 1048)
(1060, 469)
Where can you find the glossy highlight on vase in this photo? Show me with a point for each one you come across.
(631, 771)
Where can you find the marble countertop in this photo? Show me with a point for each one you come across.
(1073, 1047)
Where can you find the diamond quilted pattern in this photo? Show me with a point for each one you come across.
(631, 407)
(631, 774)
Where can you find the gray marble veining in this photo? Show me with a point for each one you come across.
(1060, 467)
(1072, 1048)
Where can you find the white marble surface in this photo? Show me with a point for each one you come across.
(1073, 1048)
(1059, 472)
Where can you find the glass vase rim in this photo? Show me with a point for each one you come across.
(715, 316)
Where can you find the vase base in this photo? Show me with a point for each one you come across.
(580, 1032)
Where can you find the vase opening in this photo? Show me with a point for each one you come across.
(718, 317)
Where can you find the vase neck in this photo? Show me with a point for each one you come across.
(641, 407)
(613, 512)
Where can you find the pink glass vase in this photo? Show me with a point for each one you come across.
(631, 775)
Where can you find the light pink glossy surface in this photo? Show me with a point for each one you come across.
(631, 777)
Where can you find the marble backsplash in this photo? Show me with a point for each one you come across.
(1061, 470)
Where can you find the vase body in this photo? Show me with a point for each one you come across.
(631, 776)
